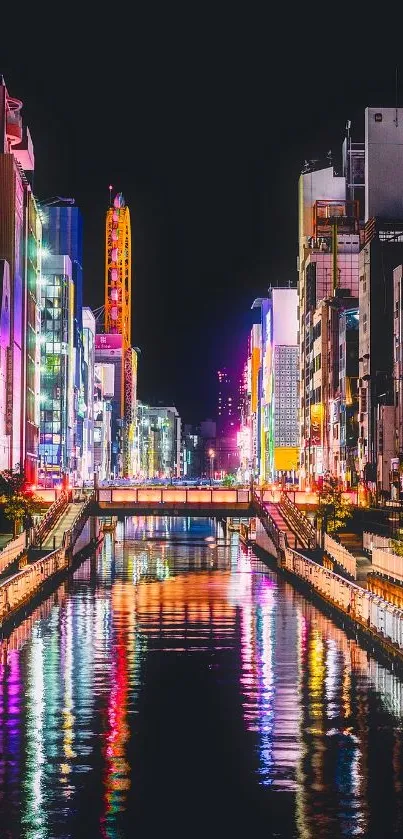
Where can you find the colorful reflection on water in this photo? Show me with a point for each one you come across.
(177, 684)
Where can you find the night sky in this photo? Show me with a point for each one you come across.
(204, 124)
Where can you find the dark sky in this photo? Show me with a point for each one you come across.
(203, 122)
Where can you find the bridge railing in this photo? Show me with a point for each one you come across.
(70, 536)
(277, 536)
(43, 528)
(298, 521)
(171, 495)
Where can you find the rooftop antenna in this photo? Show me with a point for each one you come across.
(396, 119)
(110, 194)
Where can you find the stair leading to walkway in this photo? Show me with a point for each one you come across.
(55, 537)
(281, 523)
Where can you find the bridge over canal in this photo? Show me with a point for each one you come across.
(210, 501)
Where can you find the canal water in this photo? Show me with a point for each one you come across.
(175, 686)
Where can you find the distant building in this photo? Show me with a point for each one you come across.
(192, 451)
(159, 441)
(227, 404)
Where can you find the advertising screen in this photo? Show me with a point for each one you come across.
(108, 341)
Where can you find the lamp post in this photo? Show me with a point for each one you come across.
(211, 454)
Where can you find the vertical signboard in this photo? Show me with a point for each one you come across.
(316, 425)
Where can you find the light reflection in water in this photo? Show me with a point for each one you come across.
(320, 722)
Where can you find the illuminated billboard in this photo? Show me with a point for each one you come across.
(108, 341)
(316, 425)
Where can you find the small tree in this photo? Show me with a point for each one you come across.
(19, 500)
(12, 482)
(397, 547)
(333, 510)
(229, 480)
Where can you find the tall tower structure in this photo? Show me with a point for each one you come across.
(118, 260)
(113, 350)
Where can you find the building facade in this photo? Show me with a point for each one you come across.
(328, 283)
(63, 234)
(89, 328)
(56, 447)
(159, 441)
(381, 254)
(20, 247)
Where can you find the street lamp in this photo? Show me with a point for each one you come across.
(211, 454)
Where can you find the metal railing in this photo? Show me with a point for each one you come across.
(370, 541)
(43, 528)
(297, 521)
(341, 555)
(70, 536)
(12, 550)
(278, 536)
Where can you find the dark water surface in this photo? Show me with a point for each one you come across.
(177, 687)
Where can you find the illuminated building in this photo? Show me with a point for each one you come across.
(159, 441)
(227, 453)
(328, 280)
(103, 395)
(227, 404)
(382, 252)
(87, 468)
(191, 452)
(4, 356)
(57, 369)
(249, 437)
(114, 345)
(63, 234)
(277, 427)
(20, 244)
(348, 384)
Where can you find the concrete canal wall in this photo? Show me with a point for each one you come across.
(45, 567)
(379, 619)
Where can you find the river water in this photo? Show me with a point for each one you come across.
(175, 686)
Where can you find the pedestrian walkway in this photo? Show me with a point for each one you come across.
(54, 539)
(353, 543)
(281, 523)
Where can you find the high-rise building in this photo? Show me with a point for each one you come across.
(57, 370)
(227, 404)
(381, 253)
(328, 280)
(277, 424)
(20, 247)
(63, 234)
(87, 468)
